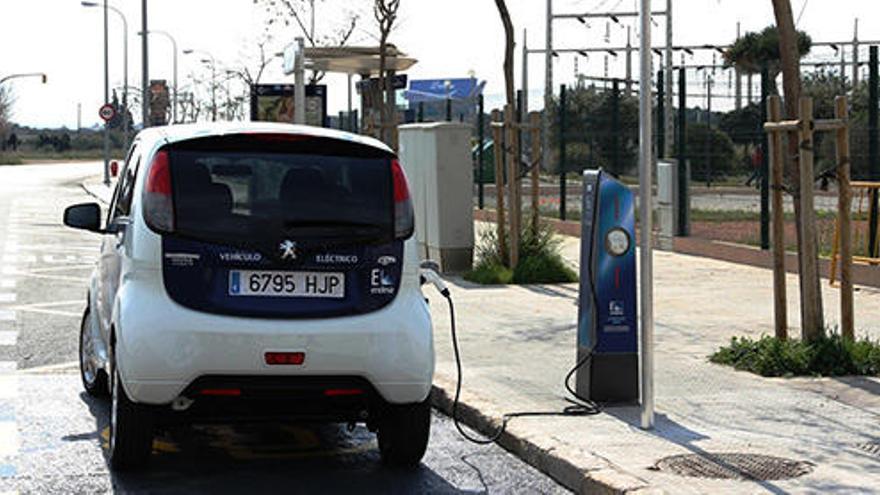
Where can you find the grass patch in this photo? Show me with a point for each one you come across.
(829, 356)
(10, 159)
(540, 261)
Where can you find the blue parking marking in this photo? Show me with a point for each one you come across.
(7, 471)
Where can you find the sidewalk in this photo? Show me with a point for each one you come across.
(518, 343)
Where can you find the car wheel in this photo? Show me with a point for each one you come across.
(131, 428)
(403, 434)
(94, 379)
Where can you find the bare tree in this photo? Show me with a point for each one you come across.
(385, 12)
(6, 101)
(791, 84)
(301, 13)
(252, 68)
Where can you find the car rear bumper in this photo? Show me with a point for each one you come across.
(162, 348)
(226, 399)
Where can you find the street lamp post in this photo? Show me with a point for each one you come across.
(174, 47)
(145, 67)
(213, 62)
(125, 119)
(29, 74)
(106, 98)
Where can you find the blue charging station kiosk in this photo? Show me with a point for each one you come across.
(607, 314)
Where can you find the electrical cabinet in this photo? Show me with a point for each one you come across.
(437, 162)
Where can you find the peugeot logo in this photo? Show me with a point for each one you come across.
(288, 250)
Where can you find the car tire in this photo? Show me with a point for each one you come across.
(131, 429)
(94, 379)
(403, 434)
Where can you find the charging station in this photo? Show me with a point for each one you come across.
(607, 335)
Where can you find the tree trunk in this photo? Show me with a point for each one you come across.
(383, 46)
(791, 85)
(510, 143)
(508, 51)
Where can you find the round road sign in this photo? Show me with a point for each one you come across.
(107, 112)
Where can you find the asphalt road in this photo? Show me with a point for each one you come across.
(53, 436)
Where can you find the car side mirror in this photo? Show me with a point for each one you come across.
(85, 216)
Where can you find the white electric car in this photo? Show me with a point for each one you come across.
(257, 271)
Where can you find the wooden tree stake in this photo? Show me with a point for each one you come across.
(775, 154)
(844, 208)
(498, 150)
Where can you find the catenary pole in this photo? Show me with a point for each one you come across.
(646, 163)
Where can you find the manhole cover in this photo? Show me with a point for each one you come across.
(872, 448)
(733, 466)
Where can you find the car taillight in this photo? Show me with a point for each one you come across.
(403, 209)
(158, 202)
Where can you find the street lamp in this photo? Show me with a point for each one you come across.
(174, 47)
(106, 91)
(41, 75)
(213, 63)
(125, 119)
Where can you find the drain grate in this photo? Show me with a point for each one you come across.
(733, 466)
(872, 448)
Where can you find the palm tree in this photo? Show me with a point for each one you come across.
(751, 52)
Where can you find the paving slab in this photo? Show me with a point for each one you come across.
(518, 342)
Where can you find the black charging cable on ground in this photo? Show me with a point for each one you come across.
(580, 406)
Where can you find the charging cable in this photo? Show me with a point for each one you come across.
(579, 406)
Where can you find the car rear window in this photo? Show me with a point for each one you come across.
(236, 195)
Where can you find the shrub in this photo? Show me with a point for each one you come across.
(828, 356)
(539, 260)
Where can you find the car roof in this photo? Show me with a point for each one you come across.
(182, 132)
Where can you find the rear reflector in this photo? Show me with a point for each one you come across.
(285, 358)
(221, 392)
(342, 392)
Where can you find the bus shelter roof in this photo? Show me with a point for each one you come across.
(363, 60)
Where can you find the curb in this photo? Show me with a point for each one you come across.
(88, 188)
(575, 469)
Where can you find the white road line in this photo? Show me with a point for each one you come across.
(7, 315)
(7, 367)
(7, 284)
(8, 338)
(7, 297)
(8, 386)
(8, 439)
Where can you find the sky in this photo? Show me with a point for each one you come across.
(452, 38)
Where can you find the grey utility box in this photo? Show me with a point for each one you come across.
(667, 195)
(669, 198)
(436, 159)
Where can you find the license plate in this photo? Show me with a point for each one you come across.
(286, 284)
